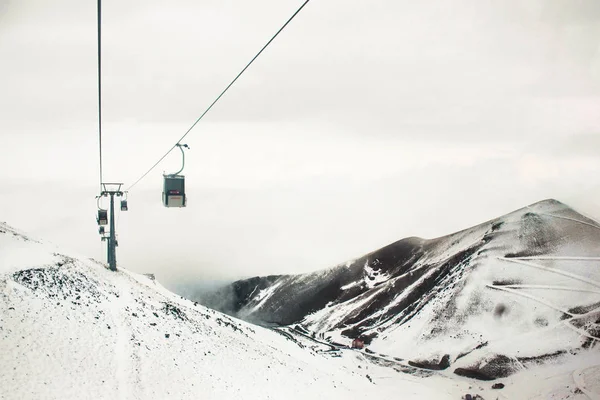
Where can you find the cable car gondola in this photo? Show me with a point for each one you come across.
(102, 217)
(174, 191)
(124, 203)
(174, 185)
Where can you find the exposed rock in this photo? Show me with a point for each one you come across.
(489, 369)
(435, 365)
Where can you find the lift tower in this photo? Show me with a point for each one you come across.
(112, 190)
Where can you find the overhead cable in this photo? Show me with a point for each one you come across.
(100, 86)
(219, 96)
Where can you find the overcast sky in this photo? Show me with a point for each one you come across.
(363, 123)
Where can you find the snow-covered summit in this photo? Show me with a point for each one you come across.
(517, 290)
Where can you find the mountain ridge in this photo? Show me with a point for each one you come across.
(438, 291)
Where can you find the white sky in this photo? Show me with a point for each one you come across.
(363, 123)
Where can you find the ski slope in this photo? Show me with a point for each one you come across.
(72, 329)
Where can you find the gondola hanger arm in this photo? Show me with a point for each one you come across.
(181, 146)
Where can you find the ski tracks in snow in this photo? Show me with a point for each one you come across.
(581, 278)
(551, 287)
(570, 219)
(125, 353)
(515, 289)
(567, 323)
(578, 375)
(529, 296)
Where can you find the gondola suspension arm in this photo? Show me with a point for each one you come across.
(181, 146)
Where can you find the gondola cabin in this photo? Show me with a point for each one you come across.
(124, 205)
(174, 191)
(102, 217)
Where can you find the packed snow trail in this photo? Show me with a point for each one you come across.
(512, 289)
(571, 219)
(553, 270)
(549, 287)
(567, 323)
(123, 351)
(529, 296)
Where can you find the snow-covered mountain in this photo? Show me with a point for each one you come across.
(72, 329)
(486, 302)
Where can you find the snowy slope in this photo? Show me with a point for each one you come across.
(517, 291)
(70, 328)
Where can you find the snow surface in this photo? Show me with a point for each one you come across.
(71, 329)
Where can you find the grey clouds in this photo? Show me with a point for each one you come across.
(363, 123)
